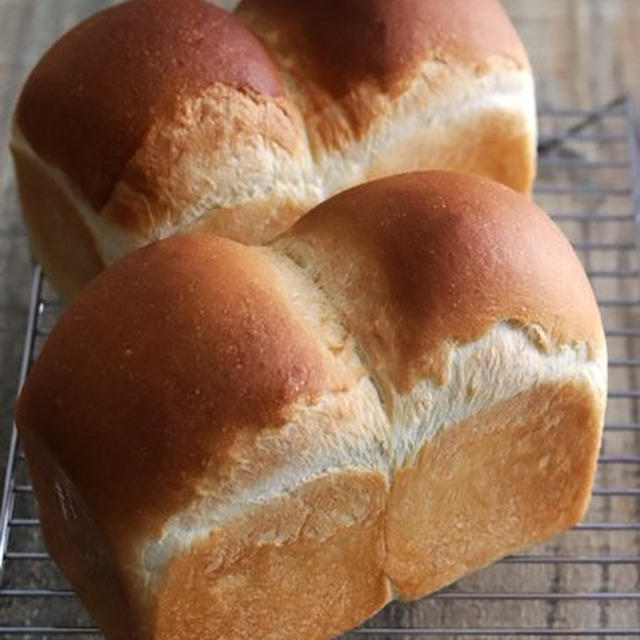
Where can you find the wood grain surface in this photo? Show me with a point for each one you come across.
(584, 53)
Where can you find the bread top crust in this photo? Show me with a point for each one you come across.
(421, 261)
(88, 104)
(93, 100)
(152, 388)
(341, 43)
(159, 371)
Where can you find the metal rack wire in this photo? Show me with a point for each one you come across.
(586, 583)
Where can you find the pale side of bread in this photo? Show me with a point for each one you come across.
(232, 441)
(244, 158)
(64, 240)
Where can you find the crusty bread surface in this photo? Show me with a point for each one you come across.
(234, 441)
(156, 117)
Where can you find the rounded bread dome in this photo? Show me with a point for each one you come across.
(94, 96)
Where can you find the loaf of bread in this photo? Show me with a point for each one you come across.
(272, 442)
(156, 117)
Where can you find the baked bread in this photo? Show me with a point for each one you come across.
(272, 442)
(156, 117)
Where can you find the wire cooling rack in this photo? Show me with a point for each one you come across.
(585, 583)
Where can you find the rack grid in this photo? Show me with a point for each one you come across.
(585, 583)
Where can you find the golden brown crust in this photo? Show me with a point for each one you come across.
(89, 103)
(438, 258)
(348, 60)
(202, 430)
(244, 581)
(163, 114)
(172, 412)
(338, 44)
(508, 477)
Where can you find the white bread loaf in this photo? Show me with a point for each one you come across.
(155, 117)
(272, 442)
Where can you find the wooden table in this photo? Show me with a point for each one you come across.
(584, 53)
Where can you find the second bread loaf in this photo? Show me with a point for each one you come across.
(157, 117)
